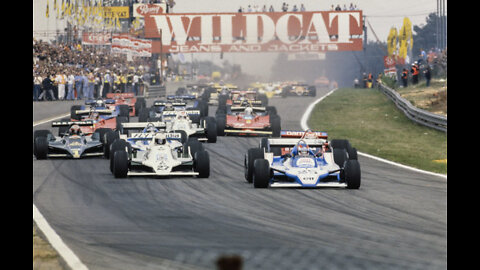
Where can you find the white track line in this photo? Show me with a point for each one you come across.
(52, 237)
(303, 124)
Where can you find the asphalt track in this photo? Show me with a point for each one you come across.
(396, 220)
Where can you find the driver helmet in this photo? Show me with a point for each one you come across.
(150, 128)
(160, 139)
(75, 129)
(182, 115)
(309, 134)
(302, 149)
(169, 106)
(248, 111)
(99, 103)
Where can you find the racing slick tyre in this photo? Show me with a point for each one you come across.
(143, 114)
(250, 156)
(340, 157)
(275, 123)
(120, 120)
(222, 100)
(201, 164)
(211, 128)
(203, 107)
(118, 145)
(285, 91)
(101, 132)
(352, 174)
(124, 111)
(40, 147)
(183, 135)
(221, 122)
(140, 103)
(110, 137)
(344, 144)
(272, 110)
(120, 164)
(195, 146)
(312, 91)
(261, 173)
(63, 129)
(73, 114)
(264, 99)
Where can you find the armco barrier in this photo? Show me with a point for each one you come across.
(155, 91)
(422, 117)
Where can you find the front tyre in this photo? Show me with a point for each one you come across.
(261, 173)
(352, 174)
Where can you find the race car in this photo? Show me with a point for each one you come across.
(163, 155)
(236, 97)
(270, 90)
(134, 103)
(195, 90)
(302, 159)
(299, 89)
(191, 102)
(246, 120)
(218, 89)
(157, 111)
(322, 82)
(100, 116)
(72, 144)
(205, 130)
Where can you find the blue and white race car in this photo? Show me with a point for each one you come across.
(302, 159)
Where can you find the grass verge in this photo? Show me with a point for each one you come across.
(373, 125)
(44, 255)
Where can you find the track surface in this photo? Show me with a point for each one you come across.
(396, 220)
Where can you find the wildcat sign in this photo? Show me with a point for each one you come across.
(256, 32)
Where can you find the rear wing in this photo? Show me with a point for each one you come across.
(175, 104)
(299, 134)
(119, 95)
(175, 113)
(289, 142)
(151, 135)
(241, 108)
(182, 97)
(100, 111)
(243, 92)
(141, 125)
(69, 123)
(254, 102)
(93, 102)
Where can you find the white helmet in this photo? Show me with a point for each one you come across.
(248, 111)
(160, 138)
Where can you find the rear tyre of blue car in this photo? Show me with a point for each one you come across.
(120, 164)
(352, 174)
(261, 173)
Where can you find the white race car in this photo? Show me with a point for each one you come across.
(158, 154)
(302, 159)
(205, 130)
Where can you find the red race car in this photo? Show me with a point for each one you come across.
(134, 103)
(248, 120)
(236, 97)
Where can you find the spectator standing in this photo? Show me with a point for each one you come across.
(271, 9)
(240, 10)
(129, 82)
(414, 70)
(60, 80)
(302, 8)
(85, 85)
(405, 77)
(135, 82)
(37, 86)
(98, 85)
(294, 9)
(338, 8)
(123, 82)
(332, 8)
(428, 75)
(79, 85)
(264, 8)
(70, 84)
(106, 83)
(284, 7)
(91, 85)
(249, 9)
(47, 86)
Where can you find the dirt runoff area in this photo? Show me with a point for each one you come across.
(432, 98)
(45, 257)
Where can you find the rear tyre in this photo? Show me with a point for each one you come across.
(261, 173)
(195, 146)
(73, 114)
(275, 122)
(221, 122)
(202, 164)
(352, 174)
(118, 145)
(110, 137)
(120, 164)
(250, 156)
(143, 114)
(40, 148)
(124, 111)
(211, 128)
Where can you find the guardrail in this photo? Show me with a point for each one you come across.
(420, 116)
(155, 91)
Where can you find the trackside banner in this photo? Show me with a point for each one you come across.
(256, 32)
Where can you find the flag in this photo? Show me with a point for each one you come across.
(47, 14)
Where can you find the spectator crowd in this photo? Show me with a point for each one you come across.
(295, 8)
(72, 71)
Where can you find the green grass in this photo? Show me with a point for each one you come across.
(373, 125)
